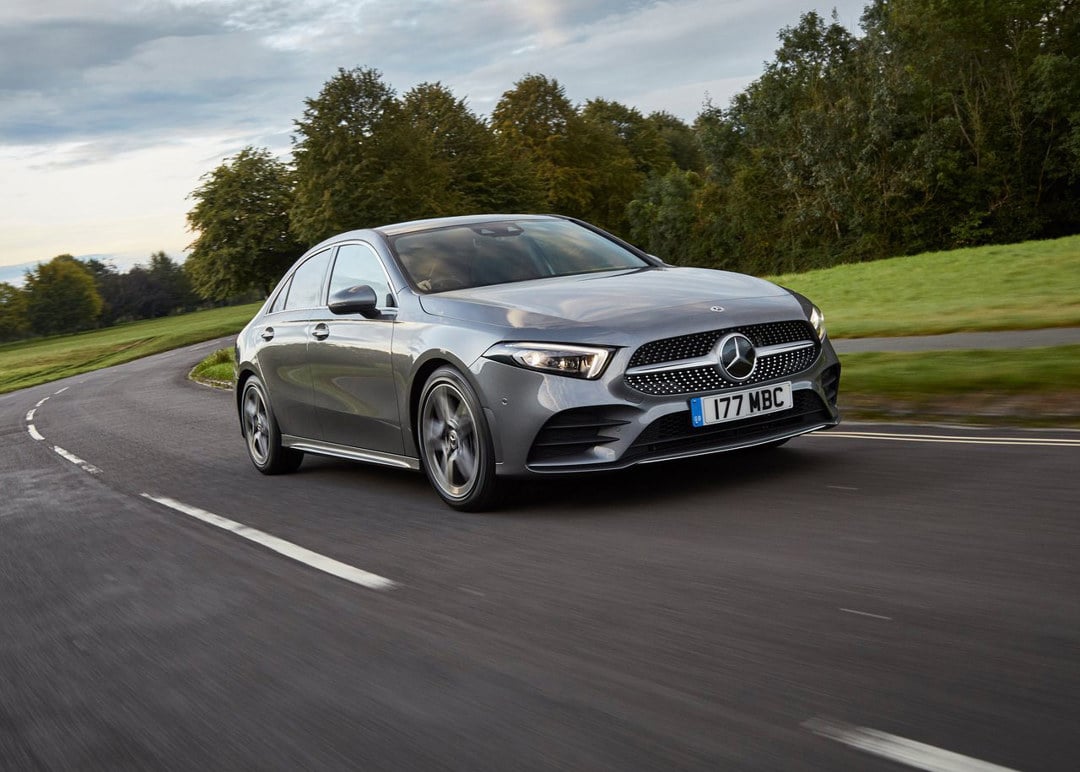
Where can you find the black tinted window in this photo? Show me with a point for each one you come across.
(307, 282)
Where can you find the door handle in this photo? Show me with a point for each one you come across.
(267, 334)
(321, 331)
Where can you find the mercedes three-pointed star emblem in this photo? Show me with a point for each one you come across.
(737, 357)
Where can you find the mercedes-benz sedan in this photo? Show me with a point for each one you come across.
(488, 347)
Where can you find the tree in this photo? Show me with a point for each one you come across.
(342, 151)
(479, 173)
(61, 297)
(585, 169)
(241, 216)
(14, 323)
(682, 142)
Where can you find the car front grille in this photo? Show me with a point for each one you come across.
(708, 377)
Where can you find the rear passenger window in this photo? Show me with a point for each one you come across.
(307, 282)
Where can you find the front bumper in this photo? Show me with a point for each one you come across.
(551, 424)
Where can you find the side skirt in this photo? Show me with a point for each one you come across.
(353, 454)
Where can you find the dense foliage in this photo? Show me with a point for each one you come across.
(938, 125)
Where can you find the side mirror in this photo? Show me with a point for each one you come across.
(360, 299)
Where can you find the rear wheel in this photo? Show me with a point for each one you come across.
(455, 442)
(262, 434)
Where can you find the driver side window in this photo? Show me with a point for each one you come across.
(358, 264)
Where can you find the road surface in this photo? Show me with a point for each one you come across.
(870, 598)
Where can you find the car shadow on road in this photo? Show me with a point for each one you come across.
(659, 484)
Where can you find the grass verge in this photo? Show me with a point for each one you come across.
(217, 370)
(28, 363)
(1032, 285)
(1032, 387)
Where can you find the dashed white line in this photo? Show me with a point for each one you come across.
(866, 614)
(61, 391)
(84, 465)
(899, 749)
(42, 402)
(34, 433)
(282, 547)
(1046, 442)
(30, 415)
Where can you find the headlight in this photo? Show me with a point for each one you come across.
(817, 321)
(575, 361)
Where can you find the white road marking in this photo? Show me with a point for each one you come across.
(61, 391)
(30, 415)
(34, 433)
(84, 465)
(866, 614)
(899, 749)
(1049, 442)
(42, 402)
(282, 547)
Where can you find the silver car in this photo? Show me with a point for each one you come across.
(490, 347)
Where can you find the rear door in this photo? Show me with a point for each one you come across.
(283, 352)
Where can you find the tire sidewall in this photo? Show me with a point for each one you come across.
(275, 452)
(482, 491)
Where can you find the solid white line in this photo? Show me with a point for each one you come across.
(34, 433)
(30, 415)
(42, 402)
(84, 465)
(899, 749)
(866, 614)
(282, 547)
(1050, 442)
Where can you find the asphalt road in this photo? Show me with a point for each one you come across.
(852, 598)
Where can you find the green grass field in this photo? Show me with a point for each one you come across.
(28, 363)
(1031, 285)
(1018, 286)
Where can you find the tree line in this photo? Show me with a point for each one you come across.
(943, 124)
(67, 295)
(940, 124)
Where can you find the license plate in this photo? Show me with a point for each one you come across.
(734, 405)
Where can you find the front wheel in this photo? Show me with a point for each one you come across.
(262, 434)
(455, 443)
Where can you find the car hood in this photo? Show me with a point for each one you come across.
(663, 298)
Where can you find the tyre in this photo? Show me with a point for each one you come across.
(262, 434)
(455, 442)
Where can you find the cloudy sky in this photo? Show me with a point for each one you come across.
(111, 110)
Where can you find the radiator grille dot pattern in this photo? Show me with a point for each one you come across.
(709, 377)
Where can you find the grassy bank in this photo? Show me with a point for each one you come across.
(28, 363)
(1026, 387)
(1031, 285)
(1018, 286)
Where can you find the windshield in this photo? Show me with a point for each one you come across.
(478, 254)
